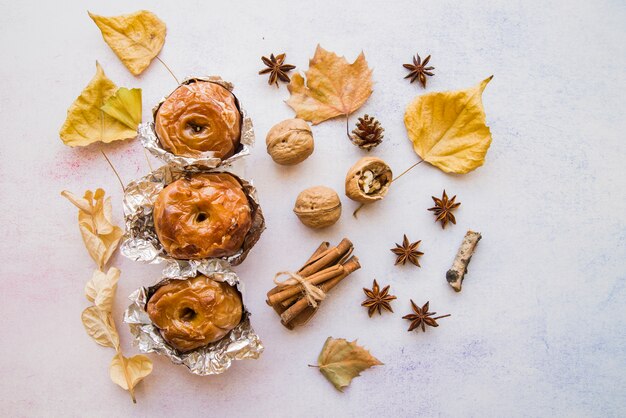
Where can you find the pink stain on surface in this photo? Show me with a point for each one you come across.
(72, 162)
(126, 156)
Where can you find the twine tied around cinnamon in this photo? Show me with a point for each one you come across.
(312, 293)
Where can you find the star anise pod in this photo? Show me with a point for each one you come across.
(277, 68)
(419, 70)
(443, 209)
(368, 133)
(407, 251)
(377, 299)
(422, 317)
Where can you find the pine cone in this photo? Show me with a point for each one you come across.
(368, 133)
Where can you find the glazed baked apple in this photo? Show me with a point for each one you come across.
(199, 117)
(195, 312)
(205, 215)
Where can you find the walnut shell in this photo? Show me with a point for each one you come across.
(290, 142)
(368, 180)
(318, 207)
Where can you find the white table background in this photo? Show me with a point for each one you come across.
(539, 329)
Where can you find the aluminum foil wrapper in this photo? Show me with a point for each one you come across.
(140, 241)
(240, 343)
(148, 137)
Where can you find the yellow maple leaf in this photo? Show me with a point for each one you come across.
(136, 38)
(448, 129)
(86, 123)
(100, 236)
(333, 87)
(341, 361)
(125, 106)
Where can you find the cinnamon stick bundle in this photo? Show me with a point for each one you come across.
(326, 268)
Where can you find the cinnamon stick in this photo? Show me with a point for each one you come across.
(321, 258)
(290, 301)
(320, 249)
(285, 304)
(327, 258)
(315, 279)
(323, 247)
(297, 308)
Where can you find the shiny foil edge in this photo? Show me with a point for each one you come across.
(240, 343)
(147, 135)
(140, 241)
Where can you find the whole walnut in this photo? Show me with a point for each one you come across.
(290, 142)
(318, 207)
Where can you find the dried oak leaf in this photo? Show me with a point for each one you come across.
(341, 361)
(87, 123)
(100, 236)
(101, 288)
(136, 367)
(333, 87)
(448, 129)
(99, 325)
(136, 38)
(125, 106)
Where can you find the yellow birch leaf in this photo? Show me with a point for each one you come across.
(86, 123)
(448, 129)
(333, 87)
(125, 106)
(341, 361)
(101, 288)
(100, 236)
(137, 367)
(136, 38)
(99, 325)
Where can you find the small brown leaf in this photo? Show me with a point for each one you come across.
(100, 236)
(101, 288)
(341, 361)
(99, 325)
(333, 87)
(137, 367)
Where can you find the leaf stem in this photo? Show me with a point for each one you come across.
(118, 350)
(131, 390)
(358, 209)
(401, 174)
(407, 170)
(311, 365)
(348, 126)
(114, 170)
(168, 69)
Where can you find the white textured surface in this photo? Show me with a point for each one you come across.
(539, 329)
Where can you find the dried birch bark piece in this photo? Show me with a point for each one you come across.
(458, 270)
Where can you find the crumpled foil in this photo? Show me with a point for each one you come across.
(240, 343)
(148, 137)
(140, 242)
